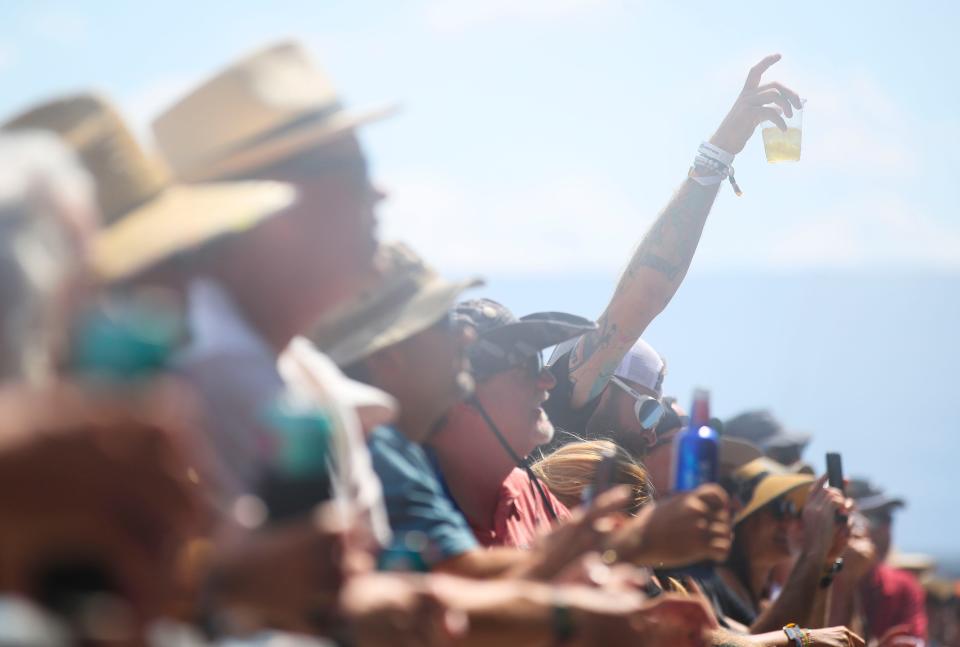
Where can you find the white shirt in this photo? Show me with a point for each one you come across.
(239, 377)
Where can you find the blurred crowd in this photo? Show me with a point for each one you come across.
(232, 415)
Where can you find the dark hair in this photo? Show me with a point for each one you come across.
(738, 562)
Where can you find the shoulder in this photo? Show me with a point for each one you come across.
(392, 452)
(897, 581)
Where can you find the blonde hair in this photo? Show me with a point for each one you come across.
(569, 470)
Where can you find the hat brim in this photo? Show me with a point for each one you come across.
(787, 439)
(269, 151)
(735, 453)
(879, 503)
(182, 218)
(409, 318)
(773, 487)
(540, 330)
(302, 363)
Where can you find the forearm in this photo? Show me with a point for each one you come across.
(842, 600)
(525, 613)
(798, 597)
(506, 614)
(651, 279)
(482, 564)
(725, 638)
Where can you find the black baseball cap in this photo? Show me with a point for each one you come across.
(503, 340)
(872, 500)
(763, 430)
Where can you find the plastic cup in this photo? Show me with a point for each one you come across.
(784, 146)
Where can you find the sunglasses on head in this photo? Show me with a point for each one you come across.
(648, 409)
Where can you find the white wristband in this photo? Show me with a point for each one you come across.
(714, 152)
(706, 180)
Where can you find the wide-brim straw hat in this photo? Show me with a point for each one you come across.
(766, 480)
(734, 453)
(409, 298)
(263, 109)
(146, 218)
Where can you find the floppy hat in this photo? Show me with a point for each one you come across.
(145, 217)
(409, 298)
(762, 429)
(762, 480)
(264, 108)
(503, 339)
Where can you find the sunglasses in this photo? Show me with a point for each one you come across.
(648, 409)
(784, 509)
(487, 367)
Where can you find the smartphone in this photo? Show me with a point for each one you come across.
(835, 471)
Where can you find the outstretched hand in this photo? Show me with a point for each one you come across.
(757, 103)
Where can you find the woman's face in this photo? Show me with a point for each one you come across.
(770, 535)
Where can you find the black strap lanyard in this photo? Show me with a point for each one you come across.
(520, 462)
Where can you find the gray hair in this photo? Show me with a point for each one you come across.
(46, 213)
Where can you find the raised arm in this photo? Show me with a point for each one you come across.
(661, 261)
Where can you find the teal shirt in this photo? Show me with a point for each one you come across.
(427, 528)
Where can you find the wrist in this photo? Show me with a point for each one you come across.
(724, 141)
(631, 542)
(797, 636)
(712, 165)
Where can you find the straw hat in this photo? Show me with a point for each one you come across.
(260, 110)
(410, 298)
(736, 453)
(146, 219)
(762, 480)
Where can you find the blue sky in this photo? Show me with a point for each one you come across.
(571, 120)
(539, 139)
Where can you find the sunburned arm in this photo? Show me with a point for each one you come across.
(651, 279)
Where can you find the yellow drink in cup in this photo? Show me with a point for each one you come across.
(781, 146)
(784, 146)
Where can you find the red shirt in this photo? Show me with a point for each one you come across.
(893, 597)
(520, 516)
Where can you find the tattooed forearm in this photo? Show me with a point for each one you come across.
(667, 249)
(669, 245)
(587, 347)
(592, 342)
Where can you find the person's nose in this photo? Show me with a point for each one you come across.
(546, 380)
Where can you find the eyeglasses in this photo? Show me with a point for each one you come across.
(533, 365)
(784, 509)
(486, 365)
(648, 409)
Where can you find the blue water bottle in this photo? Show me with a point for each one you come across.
(697, 449)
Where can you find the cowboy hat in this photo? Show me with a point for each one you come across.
(262, 109)
(409, 298)
(145, 217)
